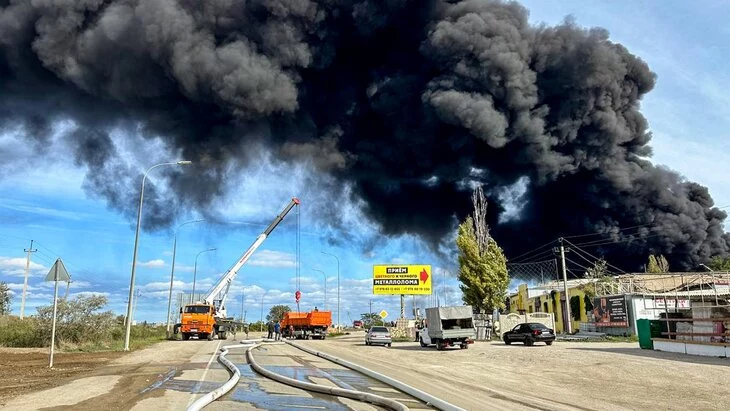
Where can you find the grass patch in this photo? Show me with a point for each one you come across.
(631, 338)
(32, 333)
(336, 334)
(402, 339)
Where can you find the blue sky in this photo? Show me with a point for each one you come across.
(688, 112)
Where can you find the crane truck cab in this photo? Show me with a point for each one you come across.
(198, 320)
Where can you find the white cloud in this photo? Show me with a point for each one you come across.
(273, 259)
(15, 266)
(88, 294)
(44, 211)
(62, 285)
(158, 263)
(19, 286)
(184, 268)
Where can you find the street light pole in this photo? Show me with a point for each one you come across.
(338, 286)
(172, 273)
(325, 287)
(262, 310)
(195, 272)
(136, 243)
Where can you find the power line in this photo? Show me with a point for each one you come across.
(594, 257)
(579, 265)
(531, 251)
(597, 243)
(536, 257)
(609, 233)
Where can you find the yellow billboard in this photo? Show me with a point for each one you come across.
(402, 279)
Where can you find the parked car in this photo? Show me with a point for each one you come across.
(378, 335)
(529, 333)
(357, 324)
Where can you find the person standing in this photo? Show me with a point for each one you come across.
(270, 327)
(277, 330)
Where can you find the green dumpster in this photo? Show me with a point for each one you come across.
(643, 329)
(656, 327)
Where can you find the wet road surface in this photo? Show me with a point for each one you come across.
(257, 392)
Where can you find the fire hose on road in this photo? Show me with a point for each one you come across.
(236, 375)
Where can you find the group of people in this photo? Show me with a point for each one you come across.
(274, 330)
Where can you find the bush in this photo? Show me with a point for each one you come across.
(15, 332)
(79, 326)
(78, 321)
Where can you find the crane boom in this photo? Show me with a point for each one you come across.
(226, 280)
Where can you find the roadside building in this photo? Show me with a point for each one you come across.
(548, 298)
(614, 305)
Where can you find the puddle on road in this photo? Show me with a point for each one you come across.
(164, 379)
(250, 391)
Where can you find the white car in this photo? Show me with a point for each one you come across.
(378, 336)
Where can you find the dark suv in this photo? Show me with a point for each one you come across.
(529, 333)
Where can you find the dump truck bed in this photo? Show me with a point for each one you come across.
(311, 319)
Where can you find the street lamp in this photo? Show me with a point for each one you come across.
(195, 271)
(262, 309)
(172, 272)
(338, 286)
(325, 287)
(136, 243)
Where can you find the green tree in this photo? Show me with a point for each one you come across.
(604, 282)
(598, 271)
(720, 264)
(657, 264)
(277, 312)
(371, 319)
(5, 299)
(482, 264)
(575, 307)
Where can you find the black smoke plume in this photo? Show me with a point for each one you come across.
(410, 102)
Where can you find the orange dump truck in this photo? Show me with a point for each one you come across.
(306, 325)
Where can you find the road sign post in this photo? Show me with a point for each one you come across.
(57, 273)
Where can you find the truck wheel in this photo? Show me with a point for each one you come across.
(388, 345)
(209, 336)
(423, 344)
(222, 335)
(464, 346)
(439, 346)
(185, 336)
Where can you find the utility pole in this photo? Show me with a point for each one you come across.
(243, 299)
(402, 307)
(371, 310)
(567, 321)
(25, 281)
(134, 302)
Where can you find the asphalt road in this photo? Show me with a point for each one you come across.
(204, 374)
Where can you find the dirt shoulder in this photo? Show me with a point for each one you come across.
(26, 370)
(101, 380)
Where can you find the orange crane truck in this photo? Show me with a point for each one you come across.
(207, 318)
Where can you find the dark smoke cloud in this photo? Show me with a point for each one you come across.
(409, 102)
